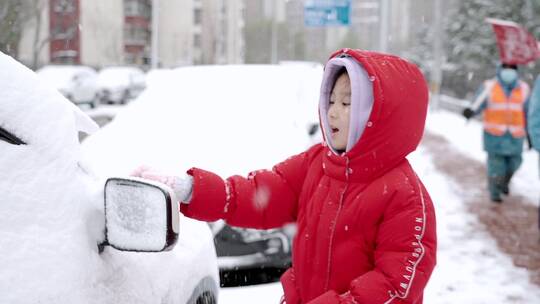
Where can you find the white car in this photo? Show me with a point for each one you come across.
(77, 83)
(61, 224)
(118, 85)
(228, 119)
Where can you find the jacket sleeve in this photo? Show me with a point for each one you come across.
(405, 254)
(265, 199)
(478, 106)
(533, 116)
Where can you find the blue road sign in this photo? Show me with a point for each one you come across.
(327, 12)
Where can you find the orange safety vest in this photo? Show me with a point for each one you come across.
(505, 113)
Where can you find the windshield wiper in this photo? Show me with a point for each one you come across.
(10, 138)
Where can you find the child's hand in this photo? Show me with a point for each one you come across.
(181, 185)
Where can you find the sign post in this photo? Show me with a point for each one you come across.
(327, 12)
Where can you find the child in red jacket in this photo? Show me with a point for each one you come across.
(366, 224)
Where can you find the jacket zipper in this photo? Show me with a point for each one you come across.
(341, 197)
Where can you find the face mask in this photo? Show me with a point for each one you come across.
(508, 76)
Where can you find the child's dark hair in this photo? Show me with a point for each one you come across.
(340, 72)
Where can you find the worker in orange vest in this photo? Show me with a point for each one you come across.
(503, 102)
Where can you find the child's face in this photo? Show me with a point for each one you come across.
(339, 112)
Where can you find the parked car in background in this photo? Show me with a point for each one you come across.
(76, 83)
(54, 226)
(229, 119)
(118, 85)
(101, 116)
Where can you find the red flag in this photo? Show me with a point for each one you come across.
(516, 45)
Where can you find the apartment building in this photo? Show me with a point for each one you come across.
(119, 32)
(94, 33)
(137, 19)
(230, 35)
(175, 32)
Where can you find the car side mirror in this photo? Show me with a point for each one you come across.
(139, 216)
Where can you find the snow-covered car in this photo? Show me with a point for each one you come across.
(118, 85)
(228, 119)
(77, 83)
(64, 230)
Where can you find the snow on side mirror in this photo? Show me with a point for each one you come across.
(139, 215)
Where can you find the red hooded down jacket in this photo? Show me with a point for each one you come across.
(366, 224)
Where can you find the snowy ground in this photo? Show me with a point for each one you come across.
(470, 268)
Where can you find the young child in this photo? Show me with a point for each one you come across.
(366, 224)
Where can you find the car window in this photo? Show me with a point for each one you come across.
(10, 138)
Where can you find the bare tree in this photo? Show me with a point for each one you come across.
(15, 16)
(36, 8)
(11, 25)
(18, 15)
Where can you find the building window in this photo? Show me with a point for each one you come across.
(65, 56)
(64, 6)
(136, 34)
(63, 32)
(197, 40)
(130, 58)
(137, 8)
(130, 8)
(197, 16)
